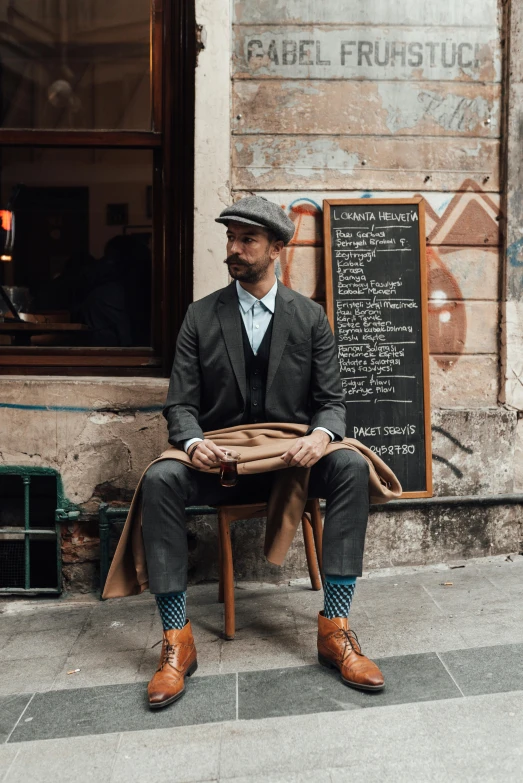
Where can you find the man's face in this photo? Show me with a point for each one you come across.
(250, 254)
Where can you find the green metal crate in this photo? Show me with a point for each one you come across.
(32, 509)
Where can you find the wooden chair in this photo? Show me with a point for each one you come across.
(312, 534)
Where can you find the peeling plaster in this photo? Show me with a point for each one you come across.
(87, 447)
(378, 12)
(224, 194)
(472, 152)
(103, 462)
(109, 418)
(303, 160)
(407, 105)
(212, 145)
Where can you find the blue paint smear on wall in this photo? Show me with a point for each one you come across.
(73, 409)
(513, 252)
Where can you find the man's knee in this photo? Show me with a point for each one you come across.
(166, 475)
(346, 462)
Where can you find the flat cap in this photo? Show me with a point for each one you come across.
(258, 211)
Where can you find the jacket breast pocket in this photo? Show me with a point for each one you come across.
(297, 347)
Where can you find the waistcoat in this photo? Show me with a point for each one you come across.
(256, 367)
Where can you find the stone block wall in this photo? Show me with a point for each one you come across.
(99, 434)
(336, 99)
(344, 100)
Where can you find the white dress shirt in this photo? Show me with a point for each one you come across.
(256, 314)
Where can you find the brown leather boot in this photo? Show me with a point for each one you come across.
(177, 661)
(338, 648)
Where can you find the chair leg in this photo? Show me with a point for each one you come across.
(227, 574)
(309, 551)
(220, 569)
(317, 531)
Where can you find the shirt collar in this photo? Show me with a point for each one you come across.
(247, 300)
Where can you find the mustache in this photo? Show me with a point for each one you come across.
(234, 260)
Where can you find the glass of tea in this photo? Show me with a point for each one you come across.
(229, 468)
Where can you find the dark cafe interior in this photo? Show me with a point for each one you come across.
(74, 269)
(76, 209)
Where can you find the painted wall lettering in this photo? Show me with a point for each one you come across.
(374, 53)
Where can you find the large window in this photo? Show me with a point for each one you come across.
(95, 183)
(75, 64)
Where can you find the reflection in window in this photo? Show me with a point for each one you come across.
(76, 64)
(79, 267)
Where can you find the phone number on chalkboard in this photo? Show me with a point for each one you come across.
(391, 450)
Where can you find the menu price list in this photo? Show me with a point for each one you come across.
(377, 321)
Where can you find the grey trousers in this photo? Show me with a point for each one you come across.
(342, 478)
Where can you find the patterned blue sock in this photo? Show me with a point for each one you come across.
(338, 595)
(172, 610)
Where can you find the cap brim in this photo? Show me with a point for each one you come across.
(239, 219)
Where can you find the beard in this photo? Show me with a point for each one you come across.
(248, 273)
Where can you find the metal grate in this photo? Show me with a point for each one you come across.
(30, 551)
(12, 563)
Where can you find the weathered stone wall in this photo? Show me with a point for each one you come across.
(97, 433)
(512, 278)
(336, 99)
(346, 99)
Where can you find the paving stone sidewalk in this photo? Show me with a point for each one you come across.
(449, 639)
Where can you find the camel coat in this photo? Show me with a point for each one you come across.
(261, 447)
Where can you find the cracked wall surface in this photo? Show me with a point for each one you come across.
(212, 146)
(99, 435)
(300, 101)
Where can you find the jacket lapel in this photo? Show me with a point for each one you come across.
(283, 315)
(229, 317)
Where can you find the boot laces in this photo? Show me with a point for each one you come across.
(350, 642)
(168, 653)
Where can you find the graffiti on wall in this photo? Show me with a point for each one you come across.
(467, 221)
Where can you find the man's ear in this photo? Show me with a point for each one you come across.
(277, 247)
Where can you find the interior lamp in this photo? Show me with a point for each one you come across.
(7, 223)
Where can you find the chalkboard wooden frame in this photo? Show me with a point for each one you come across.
(329, 295)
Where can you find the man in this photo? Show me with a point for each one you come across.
(255, 352)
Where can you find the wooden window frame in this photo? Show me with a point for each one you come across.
(171, 140)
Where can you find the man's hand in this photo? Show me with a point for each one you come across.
(306, 451)
(205, 455)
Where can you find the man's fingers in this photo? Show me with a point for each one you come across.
(297, 458)
(302, 457)
(198, 463)
(215, 450)
(204, 464)
(211, 451)
(306, 458)
(206, 455)
(203, 457)
(312, 462)
(292, 451)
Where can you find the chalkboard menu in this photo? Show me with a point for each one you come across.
(377, 307)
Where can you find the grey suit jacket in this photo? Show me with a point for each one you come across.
(207, 390)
